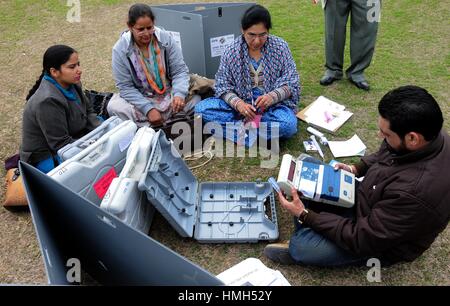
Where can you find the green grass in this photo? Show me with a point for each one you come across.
(412, 48)
(21, 18)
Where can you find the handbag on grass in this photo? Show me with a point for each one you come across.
(15, 192)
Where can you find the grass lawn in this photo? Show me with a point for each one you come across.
(412, 48)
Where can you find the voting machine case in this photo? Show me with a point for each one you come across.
(123, 198)
(90, 172)
(222, 212)
(79, 145)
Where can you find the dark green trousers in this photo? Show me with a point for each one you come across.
(363, 33)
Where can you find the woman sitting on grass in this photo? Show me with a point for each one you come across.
(150, 73)
(57, 112)
(257, 81)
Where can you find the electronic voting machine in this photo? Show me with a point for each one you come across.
(318, 182)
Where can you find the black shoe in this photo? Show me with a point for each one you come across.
(279, 252)
(327, 80)
(364, 85)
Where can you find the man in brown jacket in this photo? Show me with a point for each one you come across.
(402, 204)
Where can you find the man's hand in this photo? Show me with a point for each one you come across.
(154, 117)
(295, 207)
(177, 104)
(349, 168)
(264, 102)
(315, 1)
(246, 110)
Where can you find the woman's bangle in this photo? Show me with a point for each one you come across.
(237, 104)
(240, 102)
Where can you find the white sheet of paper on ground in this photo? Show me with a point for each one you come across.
(327, 114)
(252, 272)
(352, 147)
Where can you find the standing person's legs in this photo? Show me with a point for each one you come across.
(363, 35)
(336, 16)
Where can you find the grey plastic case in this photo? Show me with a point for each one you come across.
(76, 147)
(90, 172)
(198, 25)
(209, 212)
(123, 198)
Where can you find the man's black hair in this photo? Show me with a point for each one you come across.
(411, 109)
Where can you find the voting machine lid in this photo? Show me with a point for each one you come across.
(68, 226)
(212, 211)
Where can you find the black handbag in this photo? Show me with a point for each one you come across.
(99, 101)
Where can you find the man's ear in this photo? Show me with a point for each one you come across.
(414, 140)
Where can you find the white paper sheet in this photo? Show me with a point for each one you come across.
(327, 114)
(252, 272)
(352, 147)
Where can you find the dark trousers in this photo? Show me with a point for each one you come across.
(363, 33)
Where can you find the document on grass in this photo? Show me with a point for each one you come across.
(327, 114)
(352, 147)
(252, 272)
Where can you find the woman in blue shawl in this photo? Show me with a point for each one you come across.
(257, 84)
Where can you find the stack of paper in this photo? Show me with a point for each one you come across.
(326, 114)
(352, 147)
(252, 272)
